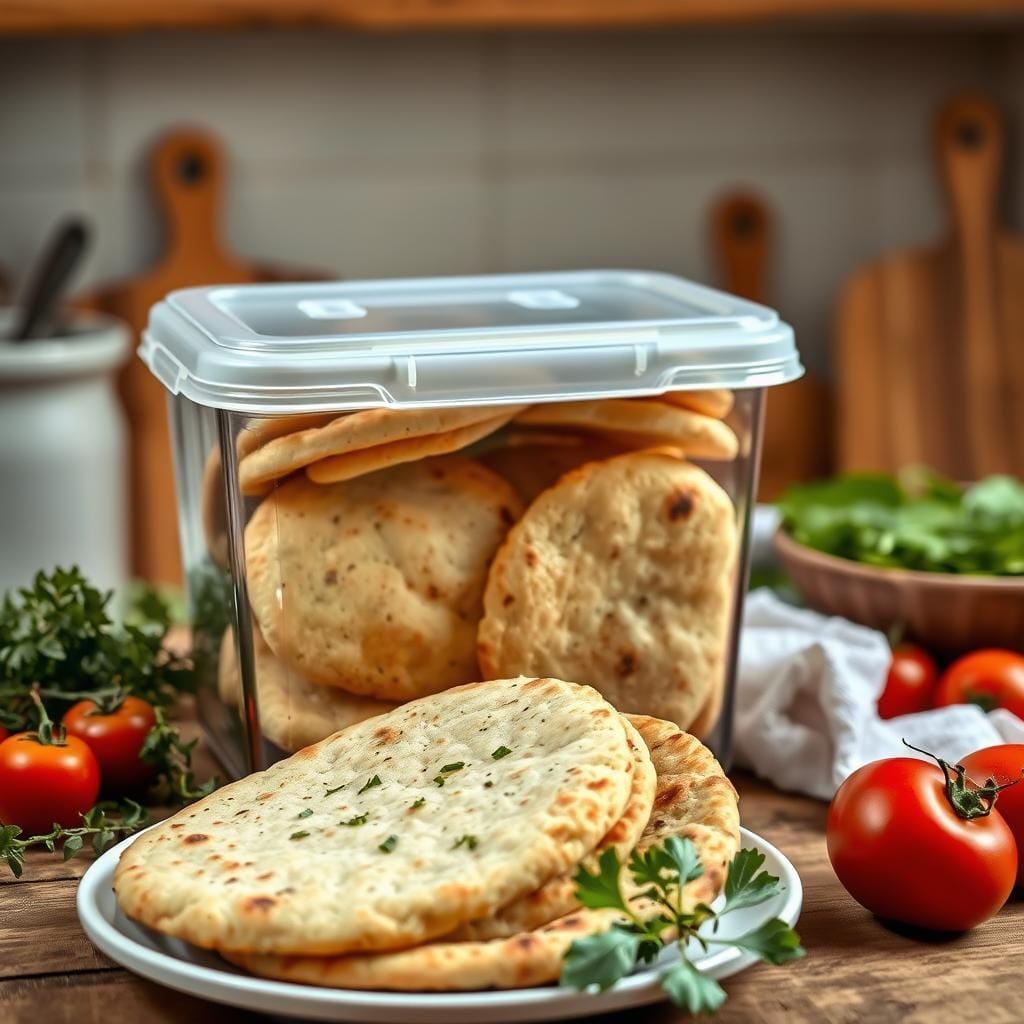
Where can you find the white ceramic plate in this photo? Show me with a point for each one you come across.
(202, 973)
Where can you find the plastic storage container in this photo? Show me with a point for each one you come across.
(388, 488)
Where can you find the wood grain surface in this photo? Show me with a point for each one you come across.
(856, 970)
(929, 361)
(401, 15)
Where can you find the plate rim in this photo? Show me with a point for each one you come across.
(156, 965)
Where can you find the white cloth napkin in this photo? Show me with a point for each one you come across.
(805, 702)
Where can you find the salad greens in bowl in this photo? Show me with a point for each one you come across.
(943, 561)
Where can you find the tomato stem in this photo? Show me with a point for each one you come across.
(967, 799)
(46, 734)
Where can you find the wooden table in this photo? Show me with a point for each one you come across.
(856, 969)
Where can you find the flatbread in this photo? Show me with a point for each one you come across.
(716, 402)
(532, 462)
(293, 711)
(620, 575)
(259, 430)
(558, 897)
(213, 510)
(640, 422)
(353, 432)
(371, 460)
(249, 870)
(694, 800)
(375, 584)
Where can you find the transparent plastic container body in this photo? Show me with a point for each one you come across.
(271, 598)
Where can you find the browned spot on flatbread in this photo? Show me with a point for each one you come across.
(196, 837)
(531, 557)
(627, 664)
(259, 903)
(668, 795)
(679, 505)
(385, 735)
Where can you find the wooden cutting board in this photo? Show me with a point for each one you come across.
(930, 341)
(796, 439)
(187, 171)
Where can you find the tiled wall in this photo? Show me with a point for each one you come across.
(377, 155)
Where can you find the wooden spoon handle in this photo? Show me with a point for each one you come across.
(970, 146)
(187, 167)
(741, 228)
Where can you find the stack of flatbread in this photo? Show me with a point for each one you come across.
(432, 847)
(384, 562)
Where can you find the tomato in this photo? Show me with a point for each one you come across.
(45, 783)
(989, 678)
(905, 853)
(3, 734)
(910, 684)
(116, 739)
(1003, 763)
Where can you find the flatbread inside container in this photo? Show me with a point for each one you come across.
(621, 575)
(375, 585)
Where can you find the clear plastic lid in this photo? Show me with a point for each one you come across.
(460, 341)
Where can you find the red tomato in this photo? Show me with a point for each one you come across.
(903, 852)
(116, 739)
(45, 783)
(989, 678)
(910, 684)
(1004, 764)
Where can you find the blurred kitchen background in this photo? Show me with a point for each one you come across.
(508, 146)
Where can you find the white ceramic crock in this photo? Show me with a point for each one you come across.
(63, 453)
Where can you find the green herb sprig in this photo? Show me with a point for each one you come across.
(59, 641)
(102, 824)
(660, 873)
(370, 783)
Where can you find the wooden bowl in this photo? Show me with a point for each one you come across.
(946, 613)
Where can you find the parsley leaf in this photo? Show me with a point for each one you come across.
(685, 859)
(600, 888)
(774, 941)
(370, 784)
(305, 813)
(298, 835)
(601, 959)
(746, 885)
(418, 803)
(389, 844)
(500, 753)
(470, 842)
(660, 872)
(455, 767)
(690, 990)
(337, 789)
(359, 819)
